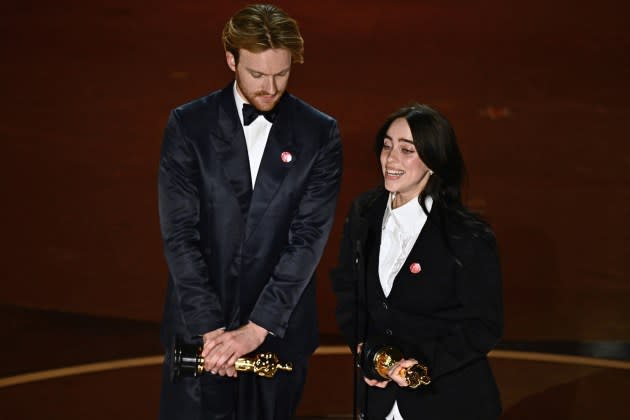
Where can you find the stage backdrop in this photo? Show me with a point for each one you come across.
(537, 91)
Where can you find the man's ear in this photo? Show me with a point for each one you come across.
(231, 60)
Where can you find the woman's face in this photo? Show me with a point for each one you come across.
(403, 171)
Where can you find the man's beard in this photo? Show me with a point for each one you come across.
(253, 98)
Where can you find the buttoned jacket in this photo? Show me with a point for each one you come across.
(448, 314)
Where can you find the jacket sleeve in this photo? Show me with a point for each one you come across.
(344, 284)
(469, 331)
(346, 276)
(308, 233)
(178, 192)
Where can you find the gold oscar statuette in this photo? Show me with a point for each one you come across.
(187, 362)
(377, 359)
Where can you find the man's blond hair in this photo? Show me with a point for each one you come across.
(259, 27)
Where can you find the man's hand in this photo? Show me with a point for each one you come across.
(221, 350)
(208, 340)
(211, 335)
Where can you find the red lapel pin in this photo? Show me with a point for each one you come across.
(415, 268)
(286, 157)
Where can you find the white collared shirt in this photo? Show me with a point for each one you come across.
(256, 135)
(400, 230)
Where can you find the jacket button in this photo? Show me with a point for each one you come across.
(385, 305)
(388, 332)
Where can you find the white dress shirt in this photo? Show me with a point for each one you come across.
(400, 230)
(256, 135)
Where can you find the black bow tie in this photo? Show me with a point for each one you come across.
(250, 113)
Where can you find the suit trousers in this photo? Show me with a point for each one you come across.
(248, 397)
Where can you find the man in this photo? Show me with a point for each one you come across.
(246, 205)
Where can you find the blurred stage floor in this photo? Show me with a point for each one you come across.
(64, 366)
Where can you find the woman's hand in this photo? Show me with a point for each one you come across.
(374, 382)
(397, 371)
(371, 382)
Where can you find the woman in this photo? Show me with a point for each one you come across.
(419, 271)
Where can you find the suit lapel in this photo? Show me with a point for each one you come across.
(228, 141)
(426, 243)
(273, 169)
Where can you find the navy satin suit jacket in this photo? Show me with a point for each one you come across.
(235, 253)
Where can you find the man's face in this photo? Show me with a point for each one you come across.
(261, 77)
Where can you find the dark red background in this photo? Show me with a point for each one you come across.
(537, 91)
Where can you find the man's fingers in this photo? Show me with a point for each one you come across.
(232, 372)
(224, 348)
(223, 360)
(212, 360)
(220, 359)
(210, 340)
(212, 335)
(209, 346)
(232, 360)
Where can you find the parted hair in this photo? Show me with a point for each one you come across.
(259, 27)
(436, 144)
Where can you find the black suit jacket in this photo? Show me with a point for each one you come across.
(235, 254)
(447, 316)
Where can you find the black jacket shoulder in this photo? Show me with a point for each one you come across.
(304, 110)
(365, 202)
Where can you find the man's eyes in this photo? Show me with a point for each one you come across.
(259, 75)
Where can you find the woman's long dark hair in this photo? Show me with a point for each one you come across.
(436, 144)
